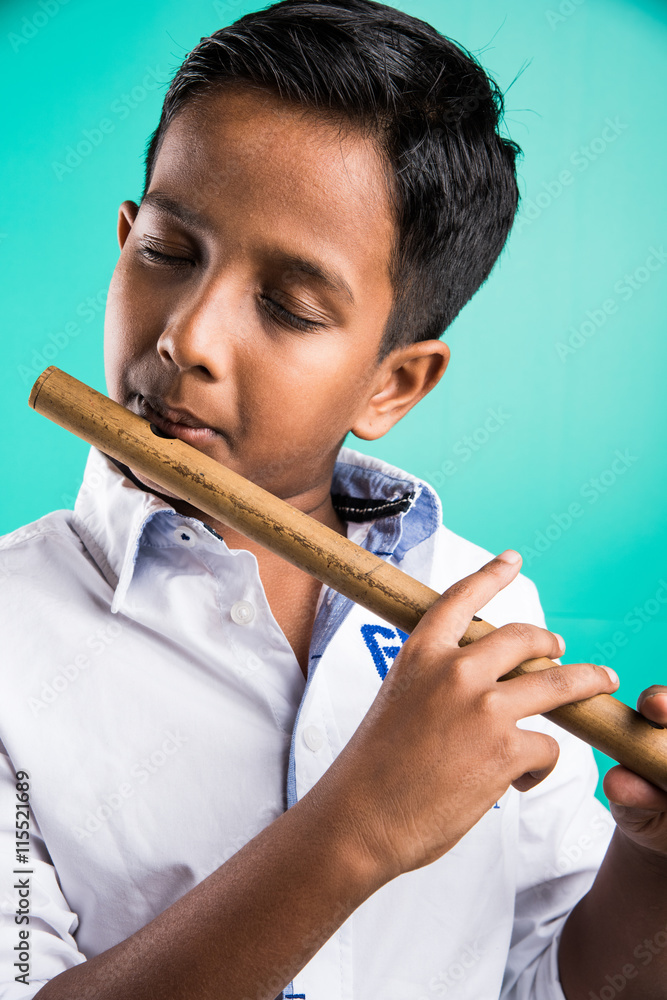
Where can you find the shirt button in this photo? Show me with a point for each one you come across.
(313, 738)
(242, 612)
(184, 535)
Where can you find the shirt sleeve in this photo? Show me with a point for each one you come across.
(564, 832)
(51, 946)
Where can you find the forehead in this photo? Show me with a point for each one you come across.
(280, 173)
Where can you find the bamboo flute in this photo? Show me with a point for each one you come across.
(602, 721)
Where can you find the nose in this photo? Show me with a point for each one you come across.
(197, 338)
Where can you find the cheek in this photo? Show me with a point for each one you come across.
(129, 323)
(317, 388)
(113, 341)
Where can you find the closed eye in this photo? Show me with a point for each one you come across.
(151, 252)
(274, 310)
(278, 312)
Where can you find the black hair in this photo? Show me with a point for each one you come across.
(427, 102)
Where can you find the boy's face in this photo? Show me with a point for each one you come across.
(253, 289)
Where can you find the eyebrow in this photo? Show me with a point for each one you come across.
(172, 207)
(332, 279)
(294, 262)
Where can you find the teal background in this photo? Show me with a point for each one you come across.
(563, 416)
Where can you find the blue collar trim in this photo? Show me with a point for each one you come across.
(404, 510)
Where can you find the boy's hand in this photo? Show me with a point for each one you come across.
(440, 745)
(639, 807)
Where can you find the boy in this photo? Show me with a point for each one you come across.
(242, 785)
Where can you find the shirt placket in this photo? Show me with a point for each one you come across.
(328, 975)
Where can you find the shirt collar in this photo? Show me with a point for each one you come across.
(404, 510)
(112, 513)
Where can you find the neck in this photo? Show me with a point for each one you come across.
(323, 512)
(315, 502)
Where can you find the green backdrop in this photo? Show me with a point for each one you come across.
(546, 433)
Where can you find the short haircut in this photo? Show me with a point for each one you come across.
(432, 110)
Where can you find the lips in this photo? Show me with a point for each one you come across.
(176, 422)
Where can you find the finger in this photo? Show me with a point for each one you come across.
(541, 753)
(500, 651)
(544, 690)
(652, 703)
(628, 790)
(447, 620)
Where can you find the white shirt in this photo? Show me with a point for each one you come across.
(164, 720)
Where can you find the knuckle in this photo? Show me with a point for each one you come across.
(560, 681)
(553, 746)
(489, 703)
(462, 589)
(423, 647)
(549, 747)
(457, 667)
(544, 751)
(521, 632)
(551, 753)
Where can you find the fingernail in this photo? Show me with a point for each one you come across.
(509, 556)
(561, 642)
(612, 674)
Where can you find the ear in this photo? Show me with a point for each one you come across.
(404, 377)
(127, 213)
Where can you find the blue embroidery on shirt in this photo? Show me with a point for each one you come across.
(382, 654)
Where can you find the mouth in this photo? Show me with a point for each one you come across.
(176, 423)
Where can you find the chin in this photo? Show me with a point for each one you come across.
(153, 487)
